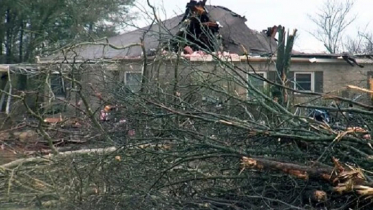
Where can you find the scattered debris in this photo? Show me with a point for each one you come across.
(53, 120)
(272, 31)
(350, 60)
(188, 50)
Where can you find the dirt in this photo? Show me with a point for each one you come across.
(7, 156)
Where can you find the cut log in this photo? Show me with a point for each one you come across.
(298, 171)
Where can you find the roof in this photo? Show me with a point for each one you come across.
(235, 33)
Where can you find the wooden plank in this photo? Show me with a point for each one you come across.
(360, 89)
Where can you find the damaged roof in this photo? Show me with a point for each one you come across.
(234, 33)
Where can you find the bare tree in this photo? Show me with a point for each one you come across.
(331, 20)
(361, 44)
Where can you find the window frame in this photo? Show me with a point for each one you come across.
(131, 72)
(64, 84)
(312, 80)
(52, 101)
(265, 75)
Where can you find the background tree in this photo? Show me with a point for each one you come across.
(30, 28)
(361, 44)
(331, 20)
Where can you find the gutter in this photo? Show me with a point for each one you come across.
(306, 60)
(209, 58)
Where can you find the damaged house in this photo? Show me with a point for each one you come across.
(201, 28)
(214, 28)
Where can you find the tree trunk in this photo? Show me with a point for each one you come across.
(21, 42)
(284, 51)
(8, 44)
(2, 34)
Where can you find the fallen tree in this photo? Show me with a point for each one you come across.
(193, 145)
(345, 179)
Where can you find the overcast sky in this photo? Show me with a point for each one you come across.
(261, 14)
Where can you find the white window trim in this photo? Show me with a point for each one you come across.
(312, 81)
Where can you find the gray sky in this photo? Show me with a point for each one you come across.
(261, 14)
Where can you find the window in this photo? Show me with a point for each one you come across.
(256, 81)
(58, 85)
(133, 81)
(60, 88)
(304, 81)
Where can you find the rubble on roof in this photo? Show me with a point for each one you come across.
(198, 30)
(271, 31)
(350, 60)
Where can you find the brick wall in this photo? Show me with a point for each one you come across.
(335, 76)
(193, 75)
